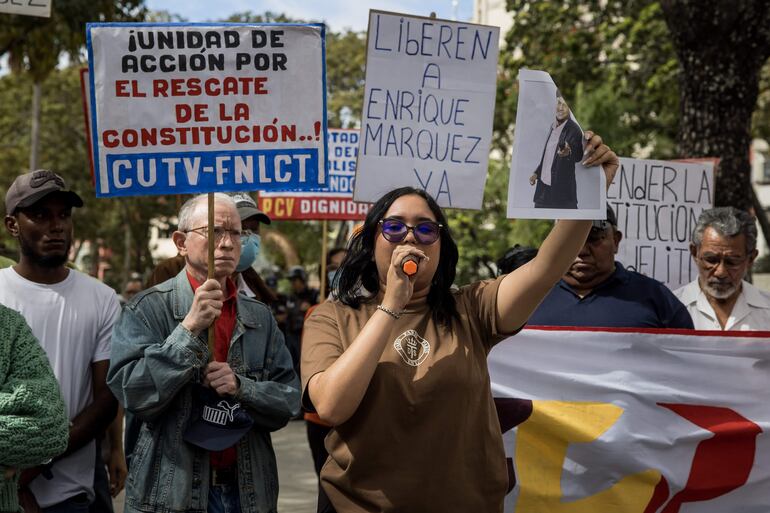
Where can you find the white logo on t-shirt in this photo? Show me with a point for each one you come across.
(412, 347)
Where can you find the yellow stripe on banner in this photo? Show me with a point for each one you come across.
(541, 447)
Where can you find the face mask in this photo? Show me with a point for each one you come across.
(249, 252)
(333, 279)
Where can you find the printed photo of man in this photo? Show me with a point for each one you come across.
(554, 177)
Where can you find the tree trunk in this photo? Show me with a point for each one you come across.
(37, 88)
(721, 46)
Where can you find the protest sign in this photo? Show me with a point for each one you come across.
(40, 8)
(657, 204)
(428, 108)
(334, 202)
(187, 108)
(547, 179)
(628, 421)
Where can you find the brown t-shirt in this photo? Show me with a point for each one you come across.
(425, 436)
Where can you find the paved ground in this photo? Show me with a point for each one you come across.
(295, 471)
(298, 482)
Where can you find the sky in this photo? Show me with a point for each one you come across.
(338, 14)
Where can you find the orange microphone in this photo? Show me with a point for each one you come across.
(409, 265)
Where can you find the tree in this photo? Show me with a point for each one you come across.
(35, 44)
(483, 236)
(721, 47)
(119, 223)
(675, 78)
(345, 71)
(611, 59)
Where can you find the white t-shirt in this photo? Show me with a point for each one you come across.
(73, 321)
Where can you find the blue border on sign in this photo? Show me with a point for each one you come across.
(92, 99)
(90, 52)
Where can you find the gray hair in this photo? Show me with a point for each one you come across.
(728, 222)
(187, 213)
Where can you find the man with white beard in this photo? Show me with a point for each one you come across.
(724, 245)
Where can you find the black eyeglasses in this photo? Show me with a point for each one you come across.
(426, 232)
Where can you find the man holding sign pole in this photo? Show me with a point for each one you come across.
(213, 408)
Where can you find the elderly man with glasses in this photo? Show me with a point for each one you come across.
(598, 291)
(207, 406)
(248, 280)
(724, 245)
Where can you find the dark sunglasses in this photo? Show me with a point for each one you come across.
(426, 232)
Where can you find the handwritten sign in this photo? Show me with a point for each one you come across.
(335, 202)
(185, 108)
(428, 107)
(657, 204)
(40, 8)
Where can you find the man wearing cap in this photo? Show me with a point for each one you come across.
(72, 316)
(206, 407)
(249, 281)
(598, 291)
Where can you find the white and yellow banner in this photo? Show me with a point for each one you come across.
(624, 421)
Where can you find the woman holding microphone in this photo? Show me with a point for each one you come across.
(398, 363)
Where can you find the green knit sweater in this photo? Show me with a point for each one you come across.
(33, 422)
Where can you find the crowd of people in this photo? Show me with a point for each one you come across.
(205, 368)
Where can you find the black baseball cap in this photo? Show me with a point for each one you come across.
(29, 188)
(217, 422)
(602, 224)
(247, 208)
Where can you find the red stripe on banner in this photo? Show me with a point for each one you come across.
(659, 496)
(721, 463)
(658, 331)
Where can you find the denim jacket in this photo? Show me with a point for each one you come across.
(154, 363)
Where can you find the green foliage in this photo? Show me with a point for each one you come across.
(483, 236)
(35, 44)
(345, 56)
(64, 149)
(611, 59)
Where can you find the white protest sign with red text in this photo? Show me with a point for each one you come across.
(625, 421)
(188, 108)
